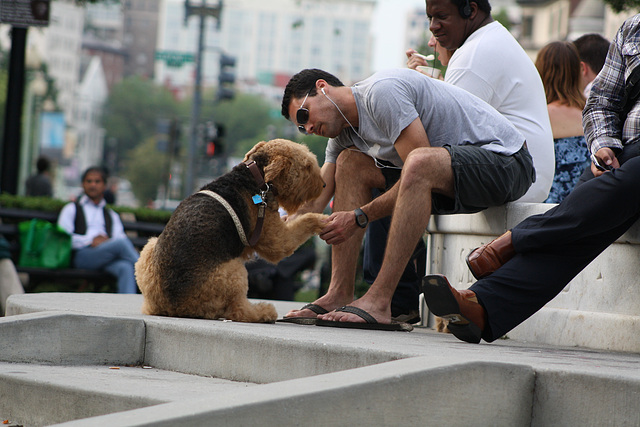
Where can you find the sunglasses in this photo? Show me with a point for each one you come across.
(302, 116)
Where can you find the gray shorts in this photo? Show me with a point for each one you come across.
(483, 178)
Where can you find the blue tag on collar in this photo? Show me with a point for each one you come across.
(257, 199)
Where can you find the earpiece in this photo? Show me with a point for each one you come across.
(465, 10)
(322, 90)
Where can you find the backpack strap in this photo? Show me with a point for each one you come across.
(631, 93)
(108, 222)
(80, 223)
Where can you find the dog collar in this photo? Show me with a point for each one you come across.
(259, 199)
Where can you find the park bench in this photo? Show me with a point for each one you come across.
(138, 232)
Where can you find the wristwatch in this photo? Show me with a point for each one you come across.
(361, 218)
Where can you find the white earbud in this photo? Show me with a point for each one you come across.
(322, 90)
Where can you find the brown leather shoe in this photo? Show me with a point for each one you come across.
(466, 316)
(488, 258)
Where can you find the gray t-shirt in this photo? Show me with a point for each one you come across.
(390, 100)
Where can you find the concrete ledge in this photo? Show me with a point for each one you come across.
(71, 339)
(406, 392)
(583, 329)
(242, 356)
(46, 394)
(598, 309)
(571, 399)
(436, 379)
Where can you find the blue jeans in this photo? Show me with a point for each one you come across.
(115, 256)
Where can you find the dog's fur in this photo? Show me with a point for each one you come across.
(195, 268)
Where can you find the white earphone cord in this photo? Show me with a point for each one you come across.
(375, 161)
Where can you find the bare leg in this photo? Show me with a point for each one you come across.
(356, 176)
(426, 170)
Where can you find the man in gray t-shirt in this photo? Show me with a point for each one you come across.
(457, 155)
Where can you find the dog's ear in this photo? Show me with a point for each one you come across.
(253, 150)
(277, 166)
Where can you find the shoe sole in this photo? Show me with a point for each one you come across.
(442, 303)
(471, 268)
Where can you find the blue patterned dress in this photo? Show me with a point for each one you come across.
(572, 157)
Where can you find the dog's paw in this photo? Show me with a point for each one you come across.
(266, 312)
(315, 221)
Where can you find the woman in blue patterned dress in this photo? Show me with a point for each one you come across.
(559, 66)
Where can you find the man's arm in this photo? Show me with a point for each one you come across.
(342, 225)
(601, 118)
(66, 220)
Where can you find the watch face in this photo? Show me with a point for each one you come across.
(361, 218)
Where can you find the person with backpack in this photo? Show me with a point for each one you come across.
(98, 239)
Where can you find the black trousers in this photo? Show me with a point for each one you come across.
(552, 248)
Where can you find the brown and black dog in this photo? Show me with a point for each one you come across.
(195, 268)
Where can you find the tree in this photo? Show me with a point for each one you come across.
(143, 170)
(623, 5)
(245, 118)
(132, 111)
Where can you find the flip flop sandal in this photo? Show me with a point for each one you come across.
(370, 322)
(305, 320)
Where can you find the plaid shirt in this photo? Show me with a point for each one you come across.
(601, 118)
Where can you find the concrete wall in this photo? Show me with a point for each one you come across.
(599, 308)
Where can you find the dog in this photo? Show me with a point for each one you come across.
(195, 268)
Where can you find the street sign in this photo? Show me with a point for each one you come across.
(174, 58)
(25, 13)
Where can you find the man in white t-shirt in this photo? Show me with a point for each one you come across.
(490, 63)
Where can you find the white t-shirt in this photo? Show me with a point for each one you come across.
(390, 100)
(492, 65)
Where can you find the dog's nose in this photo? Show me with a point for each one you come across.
(324, 184)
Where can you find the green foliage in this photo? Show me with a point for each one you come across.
(317, 145)
(3, 95)
(503, 17)
(132, 111)
(245, 118)
(623, 5)
(47, 204)
(146, 169)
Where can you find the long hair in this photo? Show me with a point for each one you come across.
(559, 66)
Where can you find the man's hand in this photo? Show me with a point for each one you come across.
(413, 61)
(340, 227)
(98, 240)
(606, 156)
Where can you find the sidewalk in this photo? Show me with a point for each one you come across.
(74, 356)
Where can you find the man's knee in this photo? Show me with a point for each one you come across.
(349, 159)
(353, 166)
(423, 164)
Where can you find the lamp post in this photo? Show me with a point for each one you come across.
(36, 89)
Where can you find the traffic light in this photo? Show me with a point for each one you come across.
(226, 77)
(214, 146)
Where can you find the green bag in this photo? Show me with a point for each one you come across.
(43, 244)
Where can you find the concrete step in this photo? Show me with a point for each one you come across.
(38, 394)
(227, 373)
